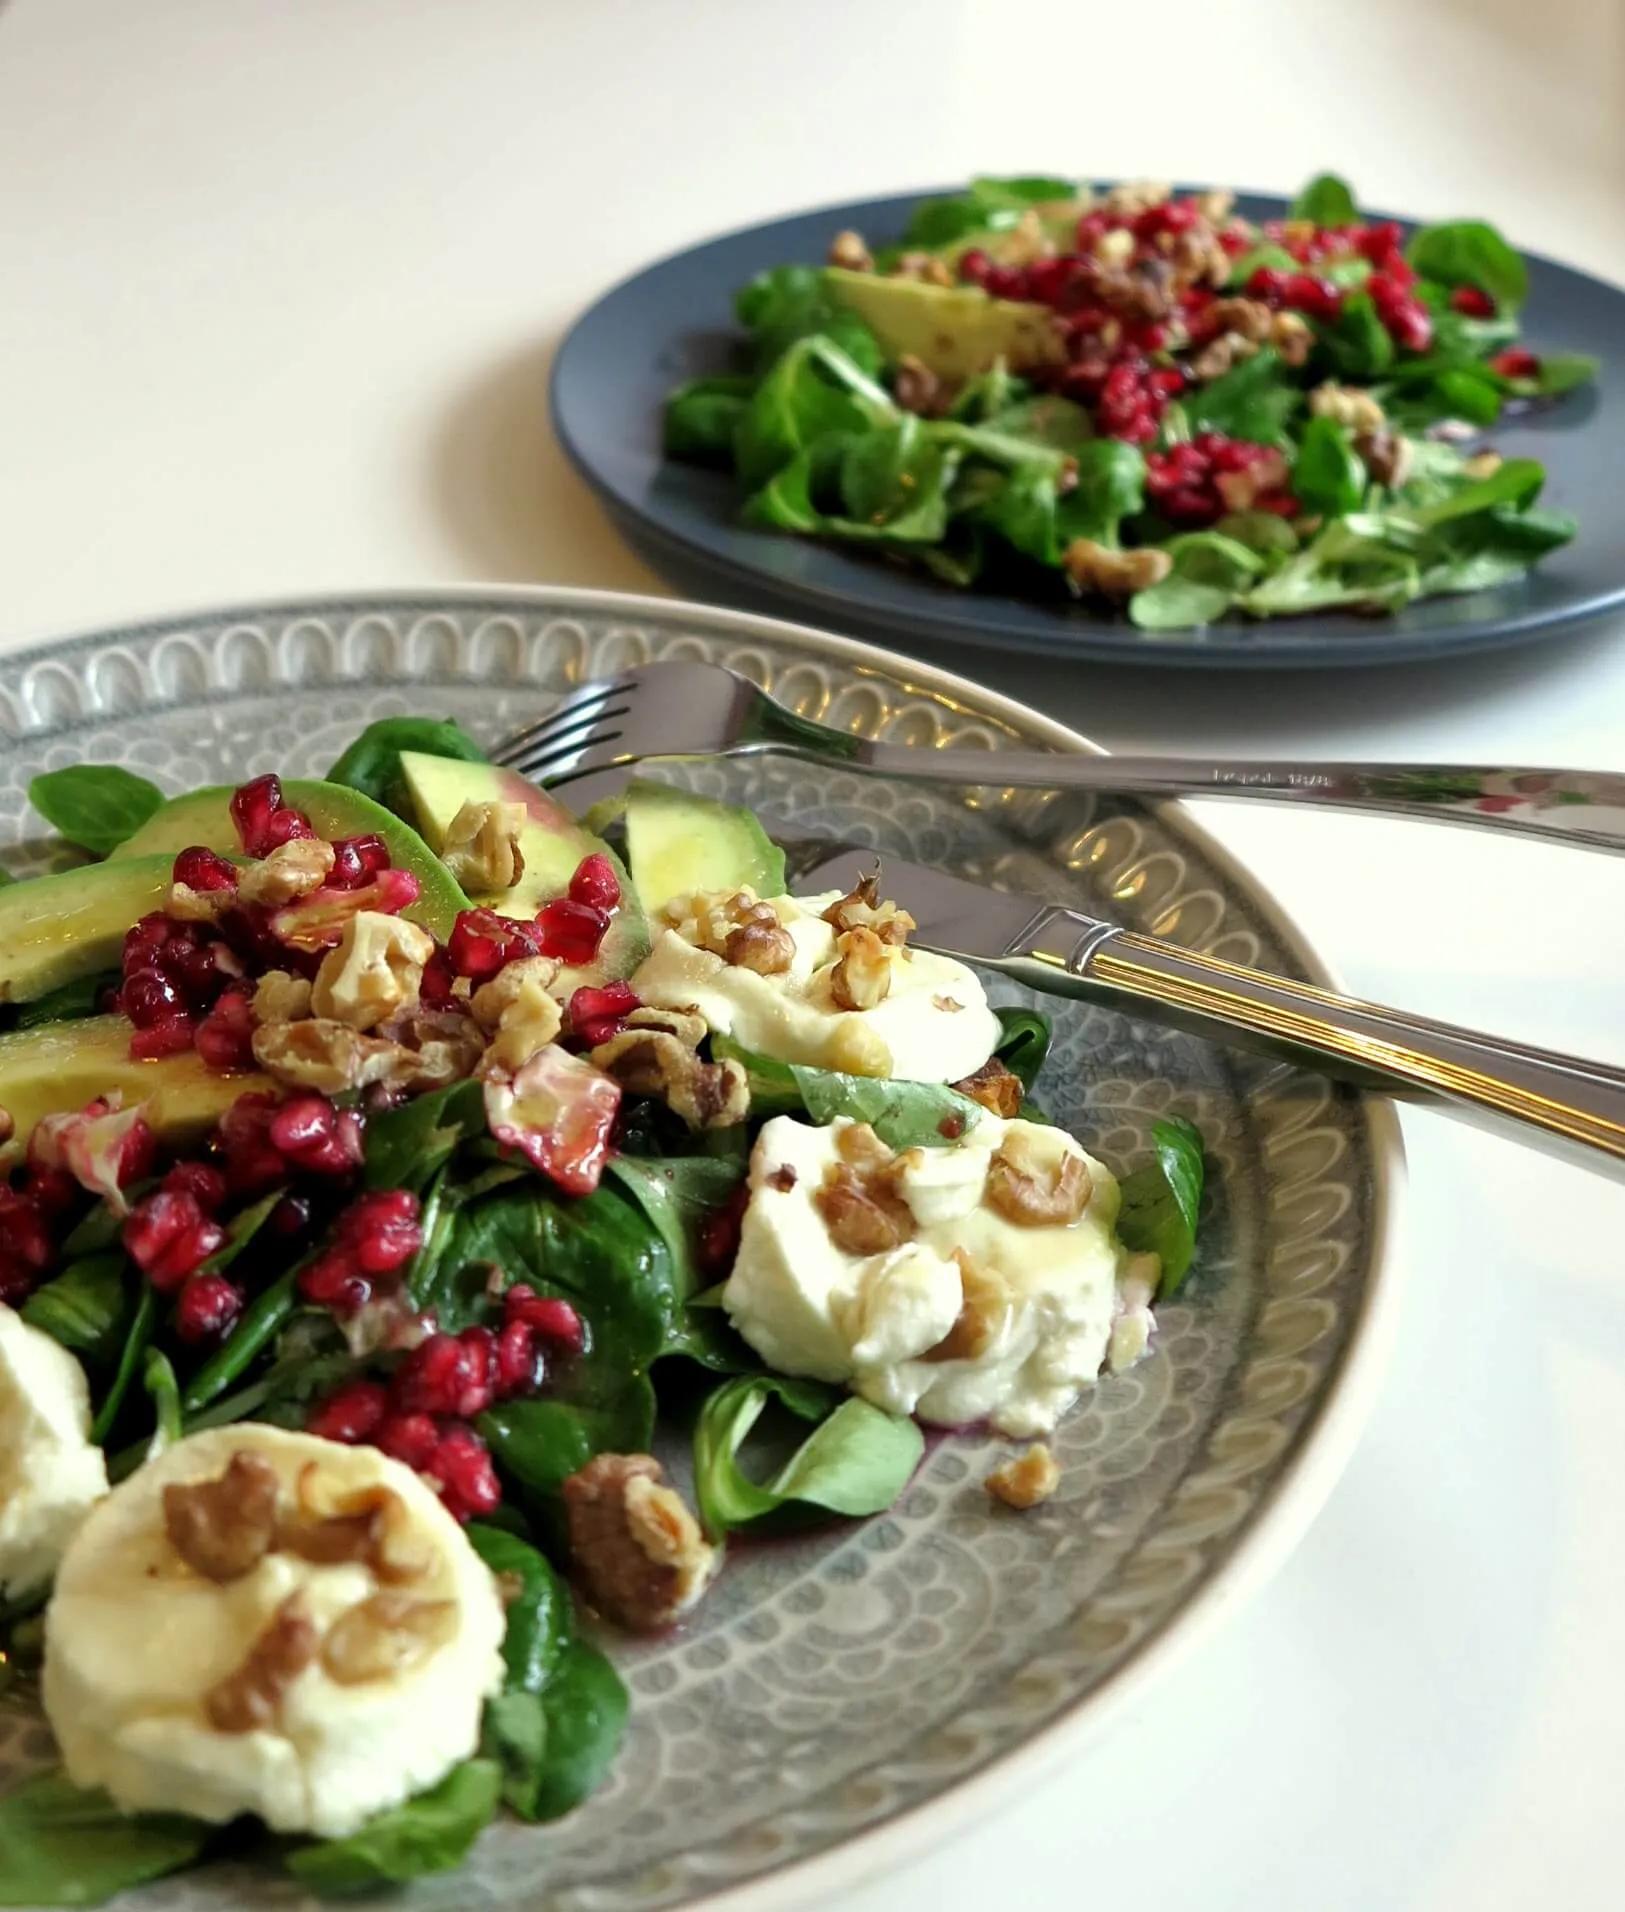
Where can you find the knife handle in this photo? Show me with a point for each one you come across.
(1562, 1104)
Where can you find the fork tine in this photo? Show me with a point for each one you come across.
(558, 754)
(581, 706)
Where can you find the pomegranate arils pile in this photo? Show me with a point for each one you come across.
(598, 1014)
(482, 943)
(373, 1240)
(356, 861)
(264, 821)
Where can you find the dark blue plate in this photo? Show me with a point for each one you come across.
(674, 321)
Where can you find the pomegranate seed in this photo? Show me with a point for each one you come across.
(518, 1363)
(168, 1237)
(438, 976)
(318, 921)
(461, 1466)
(290, 1218)
(207, 1307)
(719, 1233)
(974, 266)
(1318, 297)
(264, 822)
(330, 1280)
(447, 1374)
(357, 860)
(409, 1438)
(555, 1321)
(570, 932)
(1473, 303)
(148, 997)
(202, 869)
(381, 1230)
(1270, 285)
(166, 1037)
(25, 1246)
(225, 1036)
(252, 1164)
(315, 1136)
(482, 942)
(205, 1185)
(590, 1008)
(53, 1191)
(595, 883)
(352, 1413)
(1516, 362)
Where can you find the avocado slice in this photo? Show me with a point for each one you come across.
(204, 817)
(552, 844)
(54, 929)
(61, 1066)
(677, 842)
(957, 331)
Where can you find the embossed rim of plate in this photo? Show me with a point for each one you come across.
(1281, 1517)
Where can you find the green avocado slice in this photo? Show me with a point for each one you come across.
(677, 842)
(54, 929)
(957, 331)
(204, 817)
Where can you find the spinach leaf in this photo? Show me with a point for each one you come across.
(541, 1443)
(1266, 534)
(66, 1846)
(1109, 487)
(1471, 252)
(96, 805)
(1060, 424)
(903, 1114)
(1253, 400)
(703, 416)
(1356, 344)
(136, 1343)
(158, 1378)
(790, 303)
(241, 1230)
(679, 1195)
(584, 1707)
(857, 1460)
(897, 474)
(1328, 474)
(372, 764)
(1209, 570)
(431, 1833)
(1327, 200)
(1023, 1043)
(71, 1003)
(812, 390)
(1559, 372)
(87, 1307)
(1267, 257)
(539, 1619)
(1161, 1200)
(987, 205)
(984, 397)
(407, 1146)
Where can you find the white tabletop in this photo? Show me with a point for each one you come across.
(280, 287)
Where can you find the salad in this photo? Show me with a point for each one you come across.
(1147, 401)
(398, 1176)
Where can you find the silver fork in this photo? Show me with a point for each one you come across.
(683, 708)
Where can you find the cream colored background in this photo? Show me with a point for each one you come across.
(279, 284)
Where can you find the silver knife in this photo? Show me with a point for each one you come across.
(1562, 1104)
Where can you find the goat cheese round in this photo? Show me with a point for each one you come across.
(968, 1314)
(50, 1473)
(932, 1025)
(266, 1622)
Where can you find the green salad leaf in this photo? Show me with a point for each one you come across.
(62, 1845)
(782, 307)
(372, 764)
(703, 416)
(1328, 474)
(1253, 400)
(1327, 200)
(432, 1833)
(1161, 1200)
(96, 805)
(1471, 252)
(1023, 1044)
(88, 1307)
(71, 1003)
(988, 205)
(857, 1460)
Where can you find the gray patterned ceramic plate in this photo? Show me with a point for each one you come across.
(831, 1691)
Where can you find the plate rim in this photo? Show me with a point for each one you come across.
(1283, 1515)
(1097, 640)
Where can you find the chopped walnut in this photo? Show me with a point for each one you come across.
(861, 975)
(925, 267)
(384, 1635)
(1240, 490)
(1485, 465)
(984, 1304)
(1387, 455)
(861, 908)
(1115, 247)
(1137, 195)
(281, 997)
(224, 1528)
(783, 1178)
(861, 1148)
(848, 251)
(760, 943)
(949, 1005)
(320, 1053)
(187, 905)
(370, 1524)
(1114, 574)
(637, 1549)
(863, 1214)
(482, 846)
(373, 972)
(517, 1010)
(427, 1048)
(1249, 317)
(918, 389)
(646, 1061)
(291, 870)
(1025, 1481)
(1344, 405)
(249, 1699)
(708, 919)
(687, 1025)
(1220, 355)
(1216, 205)
(1292, 337)
(1033, 1185)
(996, 1088)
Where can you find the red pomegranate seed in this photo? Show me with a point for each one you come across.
(225, 1036)
(352, 1413)
(570, 932)
(203, 869)
(207, 1307)
(409, 1438)
(25, 1246)
(447, 1374)
(555, 1321)
(482, 942)
(167, 1037)
(168, 1237)
(252, 1164)
(462, 1468)
(1270, 285)
(518, 1363)
(314, 1136)
(975, 265)
(263, 820)
(205, 1185)
(290, 1217)
(52, 1191)
(148, 997)
(330, 1280)
(591, 1008)
(438, 976)
(1472, 303)
(595, 883)
(357, 860)
(1318, 297)
(382, 1231)
(1516, 362)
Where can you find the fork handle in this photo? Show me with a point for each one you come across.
(1582, 807)
(1562, 1104)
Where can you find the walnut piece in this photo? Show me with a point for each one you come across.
(650, 1061)
(918, 389)
(637, 1550)
(984, 1304)
(1028, 1183)
(998, 1089)
(1137, 195)
(373, 972)
(427, 1048)
(319, 1053)
(925, 267)
(1220, 355)
(861, 908)
(291, 870)
(368, 1524)
(760, 942)
(1115, 247)
(249, 1699)
(1240, 490)
(224, 1528)
(861, 976)
(280, 996)
(518, 1012)
(1114, 574)
(863, 1214)
(1251, 318)
(482, 846)
(848, 251)
(1346, 406)
(1292, 337)
(384, 1635)
(187, 905)
(1387, 455)
(1025, 1481)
